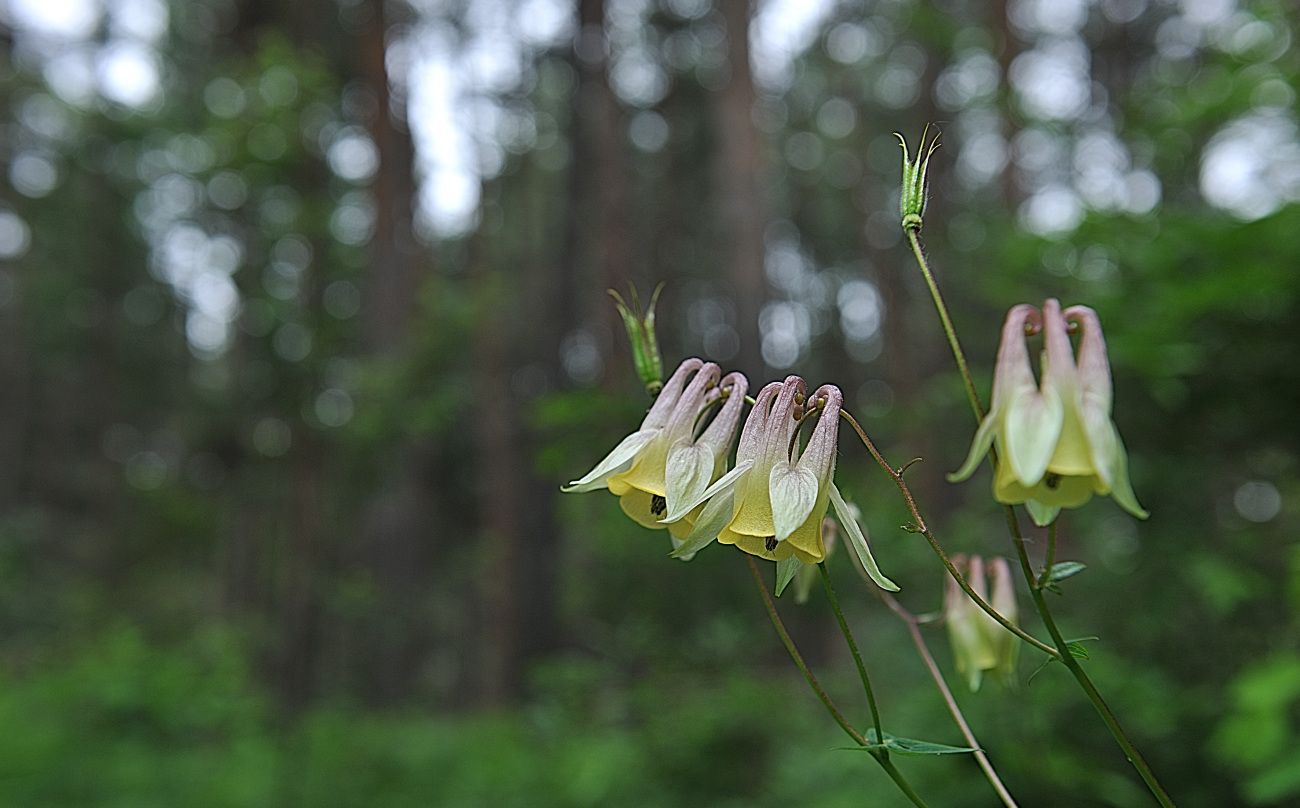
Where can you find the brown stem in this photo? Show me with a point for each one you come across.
(919, 527)
(919, 641)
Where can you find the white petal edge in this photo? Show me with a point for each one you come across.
(616, 461)
(1031, 427)
(859, 541)
(715, 516)
(723, 483)
(689, 471)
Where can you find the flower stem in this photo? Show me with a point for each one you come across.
(1072, 664)
(900, 781)
(914, 238)
(798, 659)
(919, 526)
(853, 648)
(1050, 559)
(880, 755)
(918, 640)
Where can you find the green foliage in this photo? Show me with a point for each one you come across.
(119, 721)
(909, 746)
(1065, 569)
(1260, 734)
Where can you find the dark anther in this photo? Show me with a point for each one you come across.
(1052, 480)
(770, 543)
(658, 505)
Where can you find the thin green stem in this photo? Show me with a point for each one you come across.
(878, 753)
(853, 649)
(901, 781)
(1089, 689)
(798, 659)
(919, 526)
(914, 629)
(1050, 559)
(914, 238)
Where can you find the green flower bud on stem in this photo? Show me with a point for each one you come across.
(916, 186)
(641, 333)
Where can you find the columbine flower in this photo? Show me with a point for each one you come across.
(633, 447)
(652, 470)
(663, 489)
(1057, 444)
(980, 643)
(772, 503)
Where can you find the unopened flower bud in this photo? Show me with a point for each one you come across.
(641, 333)
(980, 643)
(916, 185)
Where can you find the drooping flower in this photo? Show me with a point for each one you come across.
(677, 467)
(980, 643)
(662, 463)
(694, 463)
(772, 503)
(1056, 442)
(633, 447)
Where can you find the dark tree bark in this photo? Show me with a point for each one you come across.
(396, 262)
(401, 523)
(741, 205)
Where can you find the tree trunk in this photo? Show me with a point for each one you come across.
(741, 207)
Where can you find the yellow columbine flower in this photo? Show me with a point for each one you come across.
(693, 464)
(772, 503)
(634, 446)
(1057, 444)
(675, 466)
(655, 468)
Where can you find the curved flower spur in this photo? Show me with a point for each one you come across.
(1057, 444)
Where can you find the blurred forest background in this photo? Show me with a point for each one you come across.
(303, 322)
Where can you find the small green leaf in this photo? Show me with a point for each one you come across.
(785, 571)
(909, 746)
(1077, 649)
(910, 528)
(1065, 569)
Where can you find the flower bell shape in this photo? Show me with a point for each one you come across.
(636, 446)
(980, 643)
(1057, 444)
(772, 503)
(779, 512)
(692, 464)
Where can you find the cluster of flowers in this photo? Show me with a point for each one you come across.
(672, 472)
